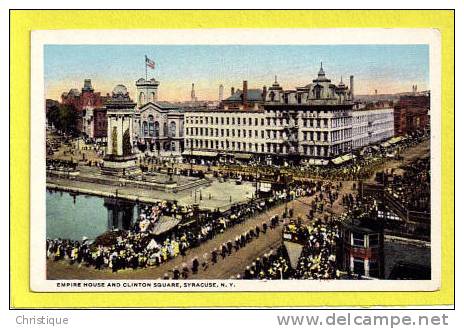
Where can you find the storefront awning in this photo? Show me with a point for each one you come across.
(317, 162)
(343, 158)
(395, 140)
(164, 224)
(200, 153)
(385, 144)
(243, 156)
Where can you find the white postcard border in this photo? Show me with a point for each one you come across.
(357, 36)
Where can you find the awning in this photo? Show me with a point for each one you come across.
(343, 158)
(385, 144)
(164, 224)
(317, 162)
(243, 156)
(395, 140)
(200, 153)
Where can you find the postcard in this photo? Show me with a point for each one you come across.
(235, 160)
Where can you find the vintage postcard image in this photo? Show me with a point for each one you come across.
(235, 160)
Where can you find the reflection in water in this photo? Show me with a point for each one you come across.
(73, 216)
(121, 213)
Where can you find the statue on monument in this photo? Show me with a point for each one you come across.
(126, 143)
(114, 145)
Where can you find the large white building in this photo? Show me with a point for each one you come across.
(311, 123)
(372, 123)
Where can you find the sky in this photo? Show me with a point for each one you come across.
(387, 68)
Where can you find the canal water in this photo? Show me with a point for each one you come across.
(71, 216)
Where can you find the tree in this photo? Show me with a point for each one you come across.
(64, 117)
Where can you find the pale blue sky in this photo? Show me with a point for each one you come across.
(387, 68)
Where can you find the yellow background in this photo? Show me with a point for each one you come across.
(23, 22)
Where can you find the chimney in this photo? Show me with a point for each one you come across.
(221, 93)
(352, 87)
(232, 91)
(245, 92)
(264, 92)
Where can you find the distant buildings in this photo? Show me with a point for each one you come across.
(91, 114)
(372, 123)
(312, 123)
(412, 114)
(316, 124)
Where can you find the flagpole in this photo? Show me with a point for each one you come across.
(146, 78)
(146, 75)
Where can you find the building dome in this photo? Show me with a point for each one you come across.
(120, 90)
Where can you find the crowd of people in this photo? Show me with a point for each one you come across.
(226, 249)
(61, 165)
(273, 265)
(318, 257)
(412, 187)
(139, 247)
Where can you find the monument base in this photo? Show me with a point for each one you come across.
(121, 166)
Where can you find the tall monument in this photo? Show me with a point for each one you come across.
(119, 159)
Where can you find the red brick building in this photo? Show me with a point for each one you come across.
(411, 114)
(100, 123)
(83, 100)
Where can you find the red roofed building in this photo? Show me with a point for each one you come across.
(85, 101)
(412, 114)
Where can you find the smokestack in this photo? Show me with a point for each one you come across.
(245, 92)
(352, 86)
(264, 92)
(221, 93)
(232, 91)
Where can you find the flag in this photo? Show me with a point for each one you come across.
(149, 62)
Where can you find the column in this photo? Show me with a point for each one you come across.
(109, 148)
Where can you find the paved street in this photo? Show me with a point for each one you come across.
(231, 265)
(224, 269)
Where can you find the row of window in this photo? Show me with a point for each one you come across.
(224, 120)
(152, 129)
(313, 150)
(269, 134)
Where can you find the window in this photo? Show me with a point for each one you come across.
(373, 240)
(145, 128)
(373, 269)
(318, 91)
(172, 129)
(358, 240)
(358, 267)
(272, 96)
(142, 98)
